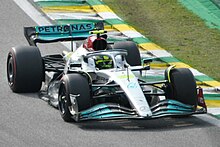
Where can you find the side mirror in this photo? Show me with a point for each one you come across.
(91, 62)
(147, 61)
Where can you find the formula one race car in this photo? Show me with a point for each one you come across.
(99, 80)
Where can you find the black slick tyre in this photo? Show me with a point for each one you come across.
(133, 58)
(74, 96)
(24, 69)
(182, 86)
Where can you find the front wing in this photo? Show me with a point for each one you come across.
(162, 109)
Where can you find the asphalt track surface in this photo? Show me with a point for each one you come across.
(25, 120)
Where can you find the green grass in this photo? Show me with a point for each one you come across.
(174, 28)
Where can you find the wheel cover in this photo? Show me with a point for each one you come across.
(10, 71)
(74, 105)
(62, 101)
(64, 107)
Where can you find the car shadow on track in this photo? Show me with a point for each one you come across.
(161, 124)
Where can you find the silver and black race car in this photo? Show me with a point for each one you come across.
(99, 80)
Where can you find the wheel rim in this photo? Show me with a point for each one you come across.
(62, 100)
(10, 71)
(63, 104)
(64, 107)
(74, 105)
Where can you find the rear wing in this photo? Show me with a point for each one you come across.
(55, 33)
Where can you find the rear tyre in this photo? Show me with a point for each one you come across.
(133, 58)
(182, 86)
(24, 69)
(74, 96)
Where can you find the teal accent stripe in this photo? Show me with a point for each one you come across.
(217, 116)
(73, 21)
(94, 108)
(109, 39)
(58, 3)
(178, 108)
(152, 78)
(212, 96)
(204, 78)
(114, 21)
(170, 112)
(94, 2)
(169, 59)
(140, 40)
(179, 104)
(109, 116)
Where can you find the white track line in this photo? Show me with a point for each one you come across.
(31, 11)
(209, 119)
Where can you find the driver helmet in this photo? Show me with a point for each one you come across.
(92, 43)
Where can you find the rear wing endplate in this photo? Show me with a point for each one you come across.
(55, 33)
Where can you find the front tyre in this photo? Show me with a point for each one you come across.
(181, 86)
(24, 69)
(74, 96)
